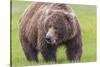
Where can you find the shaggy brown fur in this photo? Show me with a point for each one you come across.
(36, 22)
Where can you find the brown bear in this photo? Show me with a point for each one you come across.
(43, 27)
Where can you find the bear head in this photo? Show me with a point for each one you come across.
(58, 26)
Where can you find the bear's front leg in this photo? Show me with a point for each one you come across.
(49, 53)
(29, 51)
(74, 48)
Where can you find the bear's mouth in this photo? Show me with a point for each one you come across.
(49, 41)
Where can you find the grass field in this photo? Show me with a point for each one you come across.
(87, 17)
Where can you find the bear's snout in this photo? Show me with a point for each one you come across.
(50, 36)
(48, 39)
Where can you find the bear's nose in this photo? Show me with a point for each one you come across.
(48, 39)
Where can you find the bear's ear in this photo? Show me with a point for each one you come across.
(70, 16)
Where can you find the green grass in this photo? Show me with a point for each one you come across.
(87, 17)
